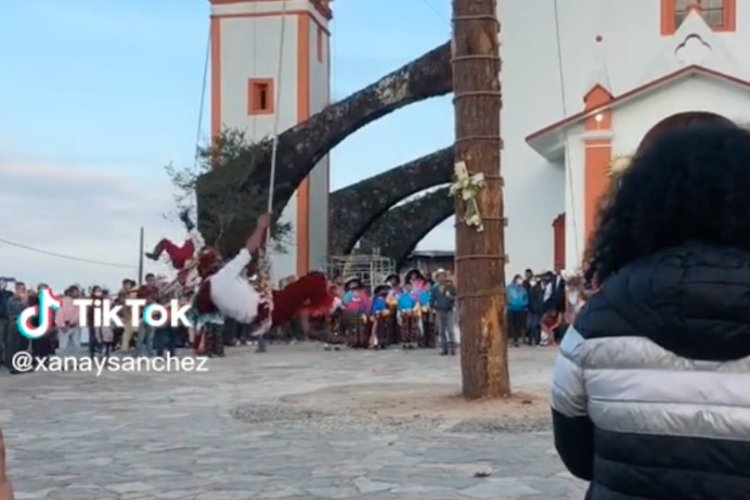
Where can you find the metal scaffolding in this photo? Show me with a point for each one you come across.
(371, 269)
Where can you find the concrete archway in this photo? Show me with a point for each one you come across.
(680, 120)
(301, 147)
(353, 209)
(397, 233)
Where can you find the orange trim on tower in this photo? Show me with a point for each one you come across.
(274, 13)
(730, 16)
(597, 156)
(215, 77)
(667, 17)
(303, 113)
(260, 96)
(597, 98)
(323, 7)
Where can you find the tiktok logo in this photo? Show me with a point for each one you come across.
(48, 303)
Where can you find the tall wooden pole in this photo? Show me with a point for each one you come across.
(480, 256)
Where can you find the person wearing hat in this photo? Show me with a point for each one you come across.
(393, 280)
(408, 316)
(443, 301)
(415, 278)
(379, 313)
(226, 290)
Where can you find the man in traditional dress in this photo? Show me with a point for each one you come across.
(394, 281)
(226, 289)
(408, 317)
(356, 309)
(380, 313)
(443, 302)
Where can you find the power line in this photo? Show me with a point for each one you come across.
(63, 256)
(568, 167)
(202, 101)
(441, 15)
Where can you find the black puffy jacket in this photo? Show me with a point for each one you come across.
(651, 393)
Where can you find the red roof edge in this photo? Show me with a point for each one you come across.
(638, 90)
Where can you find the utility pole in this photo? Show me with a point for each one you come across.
(140, 260)
(480, 255)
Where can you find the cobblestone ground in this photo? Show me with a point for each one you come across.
(237, 432)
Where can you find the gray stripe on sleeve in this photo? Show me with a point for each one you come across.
(568, 395)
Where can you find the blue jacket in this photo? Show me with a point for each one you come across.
(518, 298)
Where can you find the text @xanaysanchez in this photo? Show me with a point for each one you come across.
(25, 362)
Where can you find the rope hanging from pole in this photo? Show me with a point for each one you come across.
(265, 265)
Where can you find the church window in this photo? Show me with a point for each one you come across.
(718, 14)
(260, 96)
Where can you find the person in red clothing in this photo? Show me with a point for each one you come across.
(181, 256)
(551, 321)
(226, 288)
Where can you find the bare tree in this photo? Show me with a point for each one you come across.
(234, 205)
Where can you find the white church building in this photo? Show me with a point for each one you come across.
(585, 85)
(584, 82)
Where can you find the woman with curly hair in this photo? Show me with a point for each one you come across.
(651, 393)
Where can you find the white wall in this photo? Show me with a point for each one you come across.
(319, 177)
(632, 121)
(250, 49)
(575, 221)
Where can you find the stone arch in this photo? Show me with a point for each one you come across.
(680, 120)
(301, 147)
(353, 209)
(397, 233)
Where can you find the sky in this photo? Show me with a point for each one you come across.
(97, 96)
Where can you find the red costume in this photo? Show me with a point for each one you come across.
(178, 255)
(227, 290)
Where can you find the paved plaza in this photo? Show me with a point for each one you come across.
(294, 423)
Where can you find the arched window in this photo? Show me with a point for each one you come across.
(721, 15)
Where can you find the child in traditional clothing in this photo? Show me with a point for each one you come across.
(334, 322)
(356, 308)
(408, 315)
(379, 315)
(394, 281)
